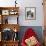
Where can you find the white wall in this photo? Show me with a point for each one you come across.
(27, 3)
(39, 13)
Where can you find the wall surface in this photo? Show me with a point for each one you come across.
(39, 13)
(26, 3)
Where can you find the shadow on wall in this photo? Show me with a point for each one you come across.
(37, 29)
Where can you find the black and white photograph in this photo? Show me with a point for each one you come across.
(30, 13)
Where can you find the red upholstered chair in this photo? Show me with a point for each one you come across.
(28, 34)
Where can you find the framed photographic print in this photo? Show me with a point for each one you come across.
(5, 12)
(30, 13)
